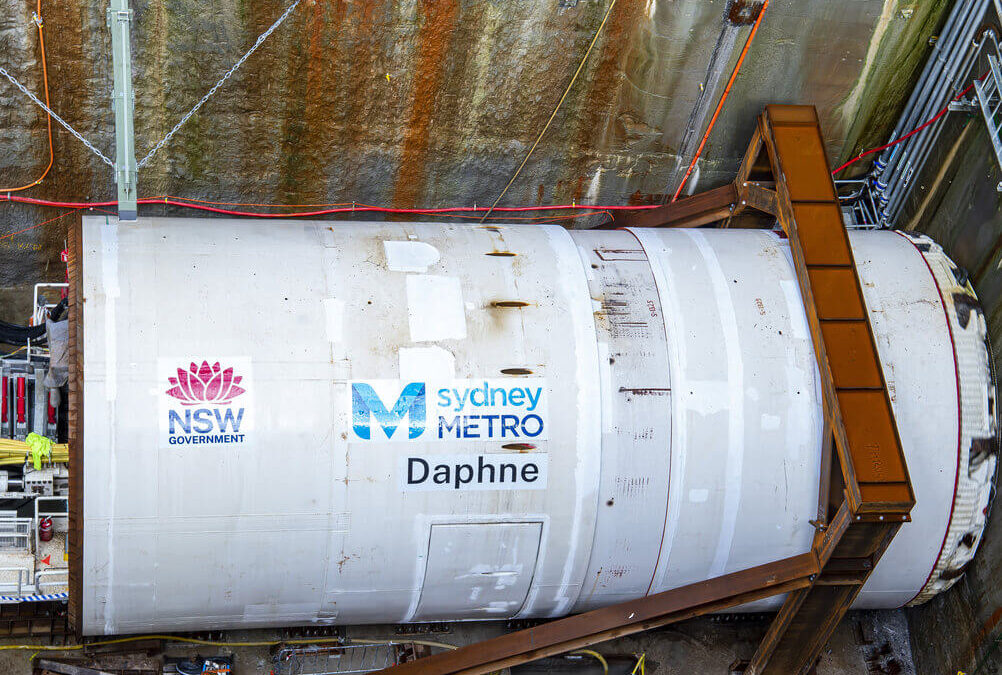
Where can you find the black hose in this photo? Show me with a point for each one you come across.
(58, 310)
(13, 334)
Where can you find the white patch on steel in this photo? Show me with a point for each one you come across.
(795, 306)
(589, 272)
(112, 290)
(736, 403)
(410, 256)
(425, 363)
(605, 373)
(708, 397)
(334, 319)
(108, 607)
(588, 435)
(293, 611)
(771, 422)
(435, 308)
(698, 495)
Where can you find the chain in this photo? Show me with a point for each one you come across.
(56, 117)
(264, 36)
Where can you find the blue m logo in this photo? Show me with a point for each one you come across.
(366, 404)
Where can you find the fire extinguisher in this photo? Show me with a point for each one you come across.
(45, 529)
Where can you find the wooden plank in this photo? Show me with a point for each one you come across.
(625, 618)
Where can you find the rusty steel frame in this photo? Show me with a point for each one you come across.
(865, 493)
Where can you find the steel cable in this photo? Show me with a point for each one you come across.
(260, 40)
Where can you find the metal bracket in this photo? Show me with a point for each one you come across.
(123, 101)
(964, 105)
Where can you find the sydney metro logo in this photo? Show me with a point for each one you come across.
(453, 409)
(205, 384)
(366, 404)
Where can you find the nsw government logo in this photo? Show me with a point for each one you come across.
(204, 403)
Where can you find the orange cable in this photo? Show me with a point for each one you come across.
(46, 222)
(48, 118)
(720, 103)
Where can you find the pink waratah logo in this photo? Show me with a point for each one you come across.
(205, 384)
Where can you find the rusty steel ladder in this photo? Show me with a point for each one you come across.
(865, 494)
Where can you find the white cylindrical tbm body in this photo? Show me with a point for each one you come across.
(298, 422)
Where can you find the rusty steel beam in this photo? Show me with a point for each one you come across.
(701, 209)
(857, 403)
(865, 502)
(582, 630)
(756, 196)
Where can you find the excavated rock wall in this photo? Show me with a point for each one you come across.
(430, 102)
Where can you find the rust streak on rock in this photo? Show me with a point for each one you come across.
(599, 102)
(439, 20)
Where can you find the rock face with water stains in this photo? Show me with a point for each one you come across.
(429, 102)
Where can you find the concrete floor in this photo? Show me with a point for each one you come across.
(874, 642)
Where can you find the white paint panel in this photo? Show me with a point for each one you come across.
(334, 319)
(435, 309)
(426, 363)
(461, 582)
(410, 256)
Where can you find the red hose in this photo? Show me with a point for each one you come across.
(360, 208)
(914, 131)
